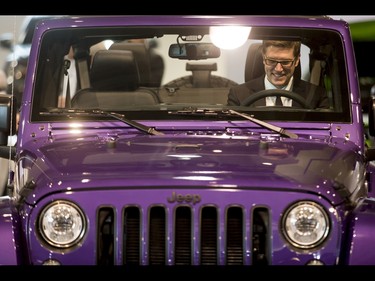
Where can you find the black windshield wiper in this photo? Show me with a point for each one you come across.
(210, 112)
(269, 126)
(115, 115)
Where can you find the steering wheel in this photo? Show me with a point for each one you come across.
(275, 92)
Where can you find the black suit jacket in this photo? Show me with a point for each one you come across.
(315, 96)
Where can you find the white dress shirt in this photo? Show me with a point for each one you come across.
(270, 101)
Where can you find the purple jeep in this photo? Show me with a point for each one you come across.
(128, 152)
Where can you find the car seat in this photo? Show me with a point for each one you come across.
(150, 64)
(201, 77)
(115, 83)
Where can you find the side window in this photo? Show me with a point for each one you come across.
(305, 64)
(316, 68)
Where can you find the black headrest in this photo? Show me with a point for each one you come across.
(201, 74)
(254, 67)
(142, 57)
(114, 70)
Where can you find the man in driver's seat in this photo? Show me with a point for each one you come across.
(280, 60)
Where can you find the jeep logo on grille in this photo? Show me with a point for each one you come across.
(181, 198)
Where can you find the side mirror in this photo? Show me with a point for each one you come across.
(7, 118)
(371, 116)
(370, 154)
(6, 41)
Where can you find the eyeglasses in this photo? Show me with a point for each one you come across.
(273, 63)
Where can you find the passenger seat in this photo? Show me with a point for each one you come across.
(115, 83)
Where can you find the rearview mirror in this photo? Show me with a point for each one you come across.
(193, 51)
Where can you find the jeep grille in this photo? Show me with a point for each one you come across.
(146, 239)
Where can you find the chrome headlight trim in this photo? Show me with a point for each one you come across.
(305, 225)
(62, 224)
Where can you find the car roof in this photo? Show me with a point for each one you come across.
(28, 27)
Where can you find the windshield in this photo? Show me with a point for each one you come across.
(147, 72)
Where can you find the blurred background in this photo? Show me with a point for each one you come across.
(11, 25)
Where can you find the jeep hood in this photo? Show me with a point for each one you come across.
(209, 161)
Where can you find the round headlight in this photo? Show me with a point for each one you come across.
(62, 224)
(305, 225)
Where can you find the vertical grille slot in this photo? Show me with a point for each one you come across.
(183, 235)
(235, 234)
(209, 236)
(261, 236)
(148, 244)
(131, 235)
(105, 250)
(157, 230)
